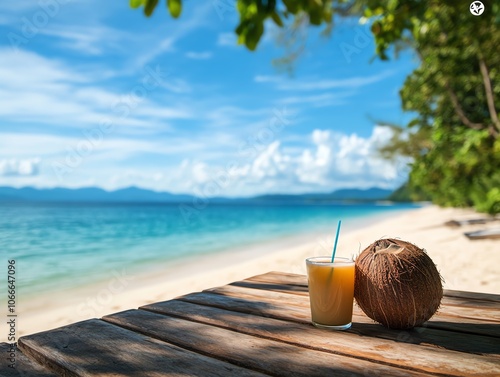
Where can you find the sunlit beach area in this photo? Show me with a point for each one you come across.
(287, 188)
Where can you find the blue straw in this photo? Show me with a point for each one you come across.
(336, 240)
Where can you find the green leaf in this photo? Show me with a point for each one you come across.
(136, 3)
(291, 6)
(392, 5)
(276, 18)
(241, 27)
(253, 34)
(376, 28)
(175, 7)
(150, 7)
(328, 16)
(316, 16)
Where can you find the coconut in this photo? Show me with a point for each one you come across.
(397, 284)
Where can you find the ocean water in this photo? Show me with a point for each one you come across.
(69, 245)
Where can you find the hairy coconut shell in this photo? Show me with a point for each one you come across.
(397, 284)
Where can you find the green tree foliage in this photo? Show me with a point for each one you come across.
(405, 194)
(455, 93)
(454, 139)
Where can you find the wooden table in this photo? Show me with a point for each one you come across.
(261, 326)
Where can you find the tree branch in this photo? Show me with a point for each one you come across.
(489, 93)
(493, 131)
(459, 111)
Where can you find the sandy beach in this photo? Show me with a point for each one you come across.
(464, 265)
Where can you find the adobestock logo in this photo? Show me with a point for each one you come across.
(224, 6)
(361, 40)
(93, 305)
(477, 8)
(31, 26)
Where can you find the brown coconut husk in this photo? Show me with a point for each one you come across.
(397, 284)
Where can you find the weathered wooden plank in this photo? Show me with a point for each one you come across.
(463, 325)
(250, 305)
(451, 308)
(440, 320)
(296, 308)
(301, 280)
(98, 348)
(418, 353)
(235, 291)
(23, 366)
(472, 295)
(485, 309)
(299, 283)
(489, 311)
(362, 325)
(281, 278)
(275, 358)
(276, 287)
(471, 303)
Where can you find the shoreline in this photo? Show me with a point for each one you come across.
(422, 226)
(176, 267)
(146, 256)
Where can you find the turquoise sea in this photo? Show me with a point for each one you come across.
(69, 245)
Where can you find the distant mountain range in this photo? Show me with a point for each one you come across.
(370, 194)
(91, 194)
(135, 194)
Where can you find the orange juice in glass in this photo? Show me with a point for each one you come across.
(331, 291)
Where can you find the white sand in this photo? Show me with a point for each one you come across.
(464, 264)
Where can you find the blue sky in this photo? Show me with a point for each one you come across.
(94, 94)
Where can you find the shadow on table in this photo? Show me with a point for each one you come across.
(463, 337)
(286, 288)
(94, 347)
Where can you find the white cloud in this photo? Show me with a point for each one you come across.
(195, 172)
(333, 160)
(176, 85)
(159, 112)
(313, 83)
(320, 100)
(233, 116)
(24, 145)
(227, 39)
(203, 55)
(19, 167)
(58, 94)
(264, 78)
(26, 69)
(92, 143)
(91, 157)
(345, 160)
(190, 176)
(270, 163)
(93, 40)
(175, 32)
(329, 160)
(166, 45)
